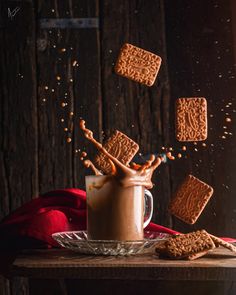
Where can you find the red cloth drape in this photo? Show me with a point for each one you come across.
(32, 225)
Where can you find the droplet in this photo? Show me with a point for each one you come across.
(203, 144)
(62, 120)
(58, 78)
(46, 87)
(71, 80)
(63, 104)
(53, 90)
(68, 139)
(65, 129)
(169, 156)
(63, 50)
(74, 63)
(71, 114)
(83, 154)
(228, 120)
(44, 99)
(184, 148)
(179, 155)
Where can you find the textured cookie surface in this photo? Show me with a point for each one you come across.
(191, 119)
(220, 242)
(186, 245)
(120, 146)
(138, 64)
(190, 199)
(197, 255)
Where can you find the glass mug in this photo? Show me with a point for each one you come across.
(115, 212)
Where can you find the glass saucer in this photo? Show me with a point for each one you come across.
(78, 241)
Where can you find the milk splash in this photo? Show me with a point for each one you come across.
(126, 175)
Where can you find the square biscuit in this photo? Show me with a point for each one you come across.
(190, 199)
(190, 245)
(119, 146)
(191, 119)
(138, 64)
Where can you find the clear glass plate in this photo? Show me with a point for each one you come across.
(78, 241)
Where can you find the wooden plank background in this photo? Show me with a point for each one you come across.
(43, 68)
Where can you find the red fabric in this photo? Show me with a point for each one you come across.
(32, 225)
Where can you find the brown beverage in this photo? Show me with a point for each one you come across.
(115, 202)
(114, 212)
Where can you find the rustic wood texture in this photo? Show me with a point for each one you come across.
(139, 111)
(69, 68)
(219, 265)
(195, 40)
(201, 61)
(126, 287)
(18, 153)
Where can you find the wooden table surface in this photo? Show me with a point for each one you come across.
(220, 264)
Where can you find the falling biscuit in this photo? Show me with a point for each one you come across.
(190, 199)
(191, 119)
(119, 146)
(138, 64)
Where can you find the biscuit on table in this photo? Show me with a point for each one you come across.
(119, 146)
(138, 64)
(191, 119)
(189, 245)
(220, 242)
(197, 255)
(190, 199)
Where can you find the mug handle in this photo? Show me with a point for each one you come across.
(148, 207)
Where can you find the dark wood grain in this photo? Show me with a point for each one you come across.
(4, 286)
(200, 63)
(219, 265)
(128, 287)
(18, 136)
(69, 67)
(137, 110)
